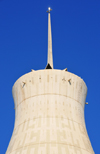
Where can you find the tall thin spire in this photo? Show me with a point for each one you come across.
(50, 56)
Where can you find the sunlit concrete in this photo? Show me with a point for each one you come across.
(49, 114)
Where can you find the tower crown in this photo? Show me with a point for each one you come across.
(49, 111)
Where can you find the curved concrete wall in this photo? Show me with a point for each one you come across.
(49, 114)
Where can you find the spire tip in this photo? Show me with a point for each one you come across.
(49, 9)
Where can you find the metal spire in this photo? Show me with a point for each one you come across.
(50, 56)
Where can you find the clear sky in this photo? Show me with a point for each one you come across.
(23, 46)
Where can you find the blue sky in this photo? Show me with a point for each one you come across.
(23, 46)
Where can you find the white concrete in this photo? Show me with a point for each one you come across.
(49, 114)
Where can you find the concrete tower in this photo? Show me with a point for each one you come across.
(49, 111)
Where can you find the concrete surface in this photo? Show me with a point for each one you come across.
(49, 114)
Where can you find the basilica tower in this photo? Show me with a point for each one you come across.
(49, 111)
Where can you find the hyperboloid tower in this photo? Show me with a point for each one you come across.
(49, 111)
